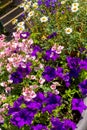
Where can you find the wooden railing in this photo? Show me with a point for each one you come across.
(5, 4)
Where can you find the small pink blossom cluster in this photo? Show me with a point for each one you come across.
(57, 49)
(54, 87)
(29, 93)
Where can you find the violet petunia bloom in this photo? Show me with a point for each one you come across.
(16, 77)
(36, 49)
(68, 124)
(39, 127)
(83, 87)
(51, 101)
(49, 3)
(34, 105)
(24, 70)
(51, 55)
(74, 72)
(78, 104)
(23, 117)
(52, 35)
(59, 72)
(67, 79)
(73, 62)
(49, 73)
(83, 64)
(40, 97)
(57, 124)
(24, 35)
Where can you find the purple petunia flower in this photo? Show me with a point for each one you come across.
(83, 87)
(34, 105)
(59, 72)
(24, 116)
(21, 116)
(68, 124)
(57, 124)
(24, 70)
(74, 73)
(39, 127)
(73, 62)
(16, 77)
(40, 97)
(21, 72)
(51, 101)
(78, 104)
(24, 35)
(49, 73)
(36, 49)
(52, 35)
(49, 3)
(67, 79)
(83, 64)
(51, 55)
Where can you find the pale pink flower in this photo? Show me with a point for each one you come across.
(10, 81)
(33, 77)
(2, 110)
(1, 119)
(5, 105)
(9, 67)
(28, 94)
(30, 42)
(2, 37)
(3, 84)
(8, 89)
(41, 66)
(54, 47)
(2, 97)
(41, 81)
(56, 91)
(53, 87)
(56, 83)
(59, 49)
(33, 94)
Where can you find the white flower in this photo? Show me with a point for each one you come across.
(31, 13)
(29, 3)
(21, 28)
(68, 30)
(63, 2)
(22, 5)
(35, 5)
(75, 4)
(44, 19)
(20, 24)
(26, 7)
(74, 8)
